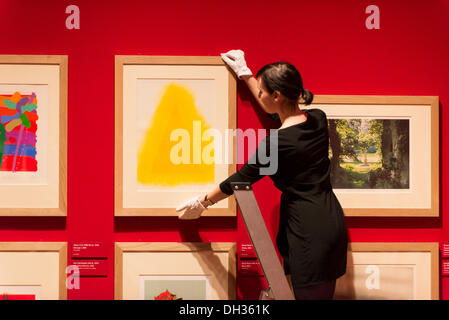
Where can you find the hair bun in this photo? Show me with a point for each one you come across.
(307, 96)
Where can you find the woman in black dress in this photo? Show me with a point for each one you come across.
(312, 237)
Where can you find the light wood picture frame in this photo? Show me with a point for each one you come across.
(391, 271)
(136, 261)
(403, 178)
(155, 97)
(33, 135)
(39, 265)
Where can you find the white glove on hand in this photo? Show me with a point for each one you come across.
(193, 207)
(235, 59)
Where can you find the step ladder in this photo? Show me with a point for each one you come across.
(278, 287)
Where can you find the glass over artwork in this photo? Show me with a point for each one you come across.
(369, 153)
(169, 154)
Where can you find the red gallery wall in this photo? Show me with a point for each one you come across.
(326, 40)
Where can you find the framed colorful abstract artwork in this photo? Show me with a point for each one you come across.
(33, 136)
(384, 153)
(175, 271)
(33, 270)
(390, 271)
(174, 133)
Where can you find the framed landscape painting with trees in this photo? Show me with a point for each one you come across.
(384, 153)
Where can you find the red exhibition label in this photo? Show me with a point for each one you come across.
(444, 250)
(88, 249)
(250, 267)
(445, 268)
(91, 267)
(247, 251)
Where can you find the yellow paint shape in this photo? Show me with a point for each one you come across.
(12, 124)
(176, 110)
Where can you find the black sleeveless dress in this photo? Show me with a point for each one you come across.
(312, 236)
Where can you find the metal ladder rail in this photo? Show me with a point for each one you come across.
(278, 287)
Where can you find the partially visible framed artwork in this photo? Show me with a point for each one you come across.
(384, 153)
(33, 270)
(20, 292)
(178, 287)
(175, 118)
(390, 271)
(175, 271)
(33, 135)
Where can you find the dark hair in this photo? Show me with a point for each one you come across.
(285, 78)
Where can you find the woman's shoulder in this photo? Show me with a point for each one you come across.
(316, 112)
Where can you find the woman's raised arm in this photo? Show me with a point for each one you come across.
(235, 59)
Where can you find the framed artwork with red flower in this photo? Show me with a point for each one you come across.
(175, 271)
(33, 137)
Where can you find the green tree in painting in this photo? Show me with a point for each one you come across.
(349, 132)
(394, 172)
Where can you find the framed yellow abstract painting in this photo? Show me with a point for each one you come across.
(175, 119)
(33, 135)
